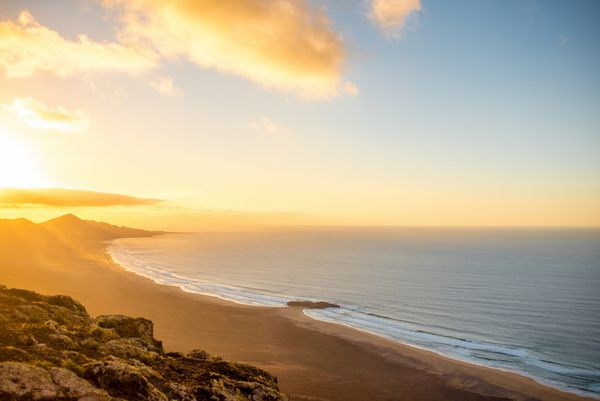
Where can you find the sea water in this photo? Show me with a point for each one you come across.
(526, 300)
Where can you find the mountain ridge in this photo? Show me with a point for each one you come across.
(75, 227)
(24, 242)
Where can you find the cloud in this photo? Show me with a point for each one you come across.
(562, 40)
(350, 88)
(39, 116)
(393, 15)
(288, 45)
(17, 197)
(165, 86)
(27, 47)
(267, 126)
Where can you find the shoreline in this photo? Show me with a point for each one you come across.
(313, 360)
(504, 376)
(524, 375)
(512, 380)
(304, 309)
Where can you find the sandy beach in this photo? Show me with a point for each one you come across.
(313, 360)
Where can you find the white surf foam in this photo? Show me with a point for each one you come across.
(481, 353)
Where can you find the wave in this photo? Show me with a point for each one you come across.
(521, 361)
(502, 356)
(132, 262)
(398, 329)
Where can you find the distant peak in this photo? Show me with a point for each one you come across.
(21, 220)
(66, 217)
(69, 216)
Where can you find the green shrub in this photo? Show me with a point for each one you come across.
(72, 366)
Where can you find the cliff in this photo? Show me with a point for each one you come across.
(52, 349)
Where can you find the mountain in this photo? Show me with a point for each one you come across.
(72, 227)
(13, 228)
(23, 242)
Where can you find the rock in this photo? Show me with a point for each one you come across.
(52, 325)
(198, 354)
(77, 357)
(32, 313)
(119, 379)
(67, 302)
(71, 386)
(124, 348)
(157, 395)
(27, 339)
(175, 355)
(62, 341)
(129, 327)
(20, 380)
(24, 295)
(10, 353)
(51, 349)
(312, 304)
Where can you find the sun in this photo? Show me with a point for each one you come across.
(17, 166)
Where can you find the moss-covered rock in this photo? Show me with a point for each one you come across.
(51, 349)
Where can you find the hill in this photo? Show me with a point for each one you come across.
(23, 242)
(72, 227)
(51, 243)
(51, 349)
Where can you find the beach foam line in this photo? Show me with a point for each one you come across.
(494, 355)
(131, 262)
(463, 354)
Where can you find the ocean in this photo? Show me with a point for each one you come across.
(525, 300)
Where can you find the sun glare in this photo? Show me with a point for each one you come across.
(17, 167)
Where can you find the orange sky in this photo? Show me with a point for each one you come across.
(364, 112)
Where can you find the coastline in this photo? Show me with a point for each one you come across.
(281, 301)
(313, 359)
(472, 363)
(516, 383)
(495, 376)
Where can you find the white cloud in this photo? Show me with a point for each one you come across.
(287, 45)
(165, 86)
(27, 47)
(267, 126)
(39, 116)
(350, 88)
(391, 16)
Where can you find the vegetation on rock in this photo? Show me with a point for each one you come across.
(51, 349)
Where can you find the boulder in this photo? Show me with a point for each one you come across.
(129, 327)
(119, 379)
(67, 302)
(23, 381)
(71, 386)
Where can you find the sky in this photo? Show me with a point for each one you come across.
(366, 112)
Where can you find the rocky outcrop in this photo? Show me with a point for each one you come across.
(312, 304)
(51, 349)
